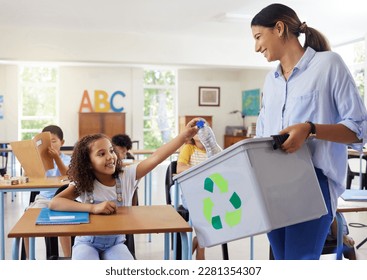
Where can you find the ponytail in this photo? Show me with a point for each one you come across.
(270, 15)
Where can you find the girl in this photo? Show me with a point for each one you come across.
(311, 96)
(100, 183)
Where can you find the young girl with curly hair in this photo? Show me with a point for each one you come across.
(102, 185)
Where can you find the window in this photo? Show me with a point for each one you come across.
(354, 55)
(159, 107)
(38, 87)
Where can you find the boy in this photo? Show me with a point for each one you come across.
(61, 163)
(123, 145)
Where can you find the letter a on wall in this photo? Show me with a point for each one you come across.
(86, 103)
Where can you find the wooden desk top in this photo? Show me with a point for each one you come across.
(142, 152)
(127, 220)
(351, 206)
(355, 153)
(6, 150)
(47, 182)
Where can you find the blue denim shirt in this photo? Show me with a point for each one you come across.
(321, 90)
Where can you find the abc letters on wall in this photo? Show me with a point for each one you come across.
(102, 102)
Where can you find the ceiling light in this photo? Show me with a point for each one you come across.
(233, 17)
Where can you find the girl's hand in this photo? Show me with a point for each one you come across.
(190, 129)
(106, 207)
(298, 134)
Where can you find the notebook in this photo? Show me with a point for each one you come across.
(51, 217)
(354, 195)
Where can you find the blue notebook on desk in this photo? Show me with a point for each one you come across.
(51, 217)
(354, 195)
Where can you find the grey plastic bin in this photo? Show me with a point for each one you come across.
(249, 189)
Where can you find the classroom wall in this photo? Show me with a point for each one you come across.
(74, 80)
(231, 82)
(9, 91)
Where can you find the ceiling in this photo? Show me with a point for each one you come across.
(339, 20)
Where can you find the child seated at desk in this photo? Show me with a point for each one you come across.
(102, 185)
(61, 162)
(123, 145)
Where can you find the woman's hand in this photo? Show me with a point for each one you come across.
(106, 207)
(298, 134)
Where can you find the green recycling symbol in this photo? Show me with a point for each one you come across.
(231, 218)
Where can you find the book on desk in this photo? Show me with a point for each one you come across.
(33, 154)
(51, 217)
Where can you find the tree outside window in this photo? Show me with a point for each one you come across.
(354, 55)
(38, 95)
(159, 107)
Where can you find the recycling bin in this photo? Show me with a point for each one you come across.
(248, 189)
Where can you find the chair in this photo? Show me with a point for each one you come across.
(171, 171)
(3, 159)
(66, 148)
(352, 172)
(130, 241)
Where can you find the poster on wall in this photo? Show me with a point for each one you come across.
(1, 107)
(251, 102)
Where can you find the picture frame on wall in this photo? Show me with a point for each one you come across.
(209, 96)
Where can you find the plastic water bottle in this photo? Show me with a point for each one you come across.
(207, 138)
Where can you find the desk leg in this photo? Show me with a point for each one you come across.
(32, 247)
(12, 168)
(251, 247)
(148, 189)
(174, 242)
(2, 227)
(184, 245)
(15, 251)
(339, 238)
(166, 246)
(148, 194)
(145, 189)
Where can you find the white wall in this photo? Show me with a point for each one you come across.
(9, 89)
(231, 82)
(75, 79)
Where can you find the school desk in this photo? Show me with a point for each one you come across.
(127, 220)
(34, 184)
(343, 207)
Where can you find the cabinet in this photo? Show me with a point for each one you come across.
(231, 139)
(106, 123)
(183, 120)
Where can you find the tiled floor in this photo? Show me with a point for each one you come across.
(238, 250)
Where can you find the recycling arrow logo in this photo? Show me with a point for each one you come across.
(231, 218)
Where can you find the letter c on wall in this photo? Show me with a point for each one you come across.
(112, 101)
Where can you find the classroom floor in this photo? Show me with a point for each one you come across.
(153, 249)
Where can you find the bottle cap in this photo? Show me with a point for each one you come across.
(200, 124)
